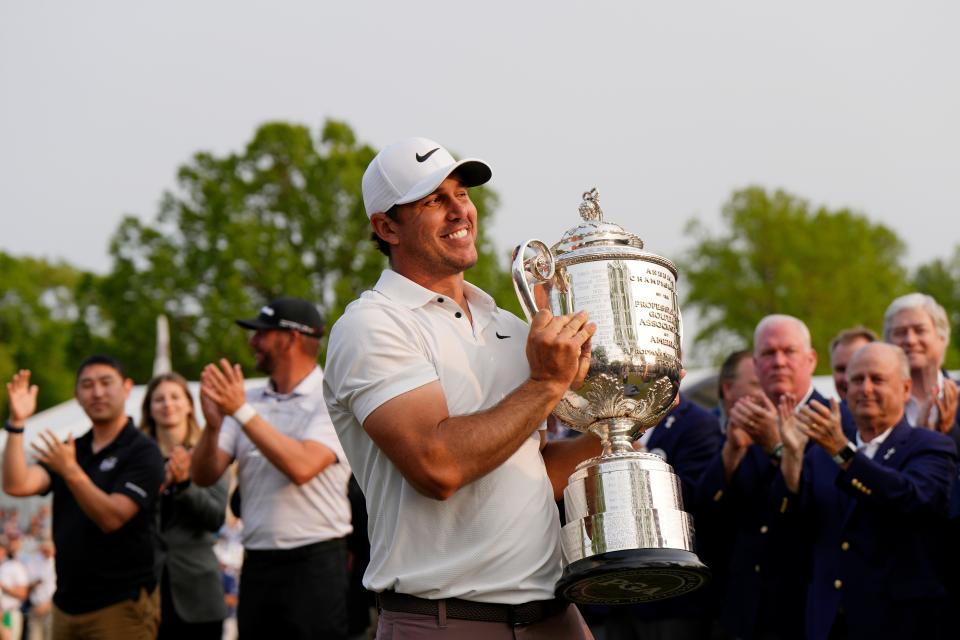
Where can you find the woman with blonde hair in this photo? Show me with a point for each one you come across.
(189, 516)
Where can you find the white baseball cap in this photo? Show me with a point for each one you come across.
(411, 169)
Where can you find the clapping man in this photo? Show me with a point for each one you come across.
(765, 593)
(873, 504)
(104, 486)
(292, 477)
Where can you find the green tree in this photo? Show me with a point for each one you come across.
(284, 217)
(832, 269)
(37, 310)
(941, 279)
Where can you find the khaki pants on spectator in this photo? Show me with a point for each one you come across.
(15, 630)
(40, 627)
(128, 620)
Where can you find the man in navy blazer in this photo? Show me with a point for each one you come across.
(764, 595)
(873, 505)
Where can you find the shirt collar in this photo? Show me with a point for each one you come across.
(478, 298)
(402, 290)
(129, 431)
(806, 397)
(877, 441)
(307, 386)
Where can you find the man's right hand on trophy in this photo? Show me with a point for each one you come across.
(758, 417)
(558, 348)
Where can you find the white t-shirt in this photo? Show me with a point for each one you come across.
(41, 569)
(12, 574)
(496, 539)
(278, 514)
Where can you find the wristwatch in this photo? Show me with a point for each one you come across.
(776, 455)
(846, 454)
(9, 428)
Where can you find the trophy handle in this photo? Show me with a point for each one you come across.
(531, 270)
(680, 334)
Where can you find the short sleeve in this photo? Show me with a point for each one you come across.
(142, 474)
(229, 431)
(320, 429)
(375, 354)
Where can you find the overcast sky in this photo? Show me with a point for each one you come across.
(666, 107)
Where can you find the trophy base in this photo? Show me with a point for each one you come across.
(632, 576)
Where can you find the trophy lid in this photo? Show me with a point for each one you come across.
(594, 231)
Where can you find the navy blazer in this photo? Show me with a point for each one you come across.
(873, 531)
(950, 567)
(754, 552)
(688, 438)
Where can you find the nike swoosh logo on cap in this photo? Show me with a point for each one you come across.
(423, 158)
(497, 333)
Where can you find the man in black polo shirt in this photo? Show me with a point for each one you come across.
(104, 488)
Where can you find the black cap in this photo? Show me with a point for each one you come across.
(290, 314)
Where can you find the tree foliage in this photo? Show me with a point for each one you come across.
(832, 269)
(941, 279)
(37, 312)
(283, 217)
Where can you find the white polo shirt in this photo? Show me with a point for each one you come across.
(12, 574)
(278, 514)
(496, 539)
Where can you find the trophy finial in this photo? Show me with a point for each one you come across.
(590, 207)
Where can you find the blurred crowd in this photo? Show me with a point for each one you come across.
(27, 576)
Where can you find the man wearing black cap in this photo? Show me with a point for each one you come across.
(293, 477)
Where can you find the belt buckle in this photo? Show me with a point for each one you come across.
(530, 618)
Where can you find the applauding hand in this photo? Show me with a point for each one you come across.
(223, 387)
(791, 430)
(946, 408)
(758, 417)
(22, 398)
(60, 457)
(823, 425)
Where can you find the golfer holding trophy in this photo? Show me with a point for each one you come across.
(627, 537)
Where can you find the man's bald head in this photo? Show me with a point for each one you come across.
(878, 386)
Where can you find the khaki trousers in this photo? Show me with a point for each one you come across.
(128, 620)
(40, 627)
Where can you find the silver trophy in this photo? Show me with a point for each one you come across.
(627, 538)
